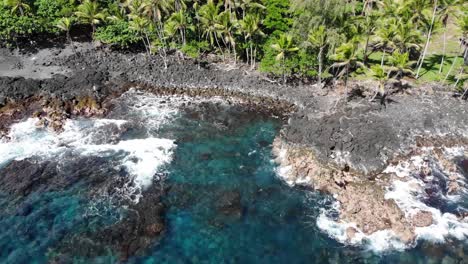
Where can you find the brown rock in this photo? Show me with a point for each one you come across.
(422, 219)
(426, 170)
(362, 200)
(407, 236)
(453, 187)
(154, 229)
(351, 232)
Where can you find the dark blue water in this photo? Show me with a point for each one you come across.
(223, 204)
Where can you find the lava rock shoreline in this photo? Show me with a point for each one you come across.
(347, 139)
(350, 132)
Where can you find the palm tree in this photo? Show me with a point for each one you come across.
(318, 39)
(428, 39)
(446, 8)
(178, 22)
(250, 27)
(137, 7)
(385, 36)
(155, 9)
(407, 38)
(117, 13)
(249, 5)
(179, 5)
(346, 56)
(17, 6)
(284, 46)
(378, 73)
(65, 25)
(227, 24)
(140, 25)
(208, 15)
(463, 24)
(89, 13)
(400, 64)
(147, 11)
(369, 26)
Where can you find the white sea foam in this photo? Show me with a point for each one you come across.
(379, 241)
(408, 193)
(285, 172)
(142, 158)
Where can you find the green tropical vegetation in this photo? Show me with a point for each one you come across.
(317, 40)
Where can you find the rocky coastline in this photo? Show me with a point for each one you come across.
(339, 145)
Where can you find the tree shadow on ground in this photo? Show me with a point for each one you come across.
(431, 63)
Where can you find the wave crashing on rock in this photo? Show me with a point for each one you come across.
(420, 197)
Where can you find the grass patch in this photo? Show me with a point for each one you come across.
(430, 71)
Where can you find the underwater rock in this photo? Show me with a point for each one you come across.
(25, 176)
(229, 203)
(139, 227)
(21, 177)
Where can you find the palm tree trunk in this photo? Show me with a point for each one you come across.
(458, 78)
(162, 52)
(366, 49)
(148, 47)
(453, 64)
(144, 43)
(320, 54)
(364, 7)
(219, 46)
(465, 56)
(247, 54)
(346, 80)
(378, 90)
(69, 39)
(284, 70)
(464, 93)
(235, 53)
(427, 40)
(181, 36)
(444, 51)
(451, 68)
(252, 61)
(93, 27)
(383, 57)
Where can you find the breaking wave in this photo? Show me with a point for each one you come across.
(414, 192)
(141, 156)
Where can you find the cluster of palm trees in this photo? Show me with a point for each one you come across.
(343, 36)
(401, 30)
(159, 22)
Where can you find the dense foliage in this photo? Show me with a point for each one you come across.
(304, 38)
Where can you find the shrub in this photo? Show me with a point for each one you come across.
(13, 26)
(117, 33)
